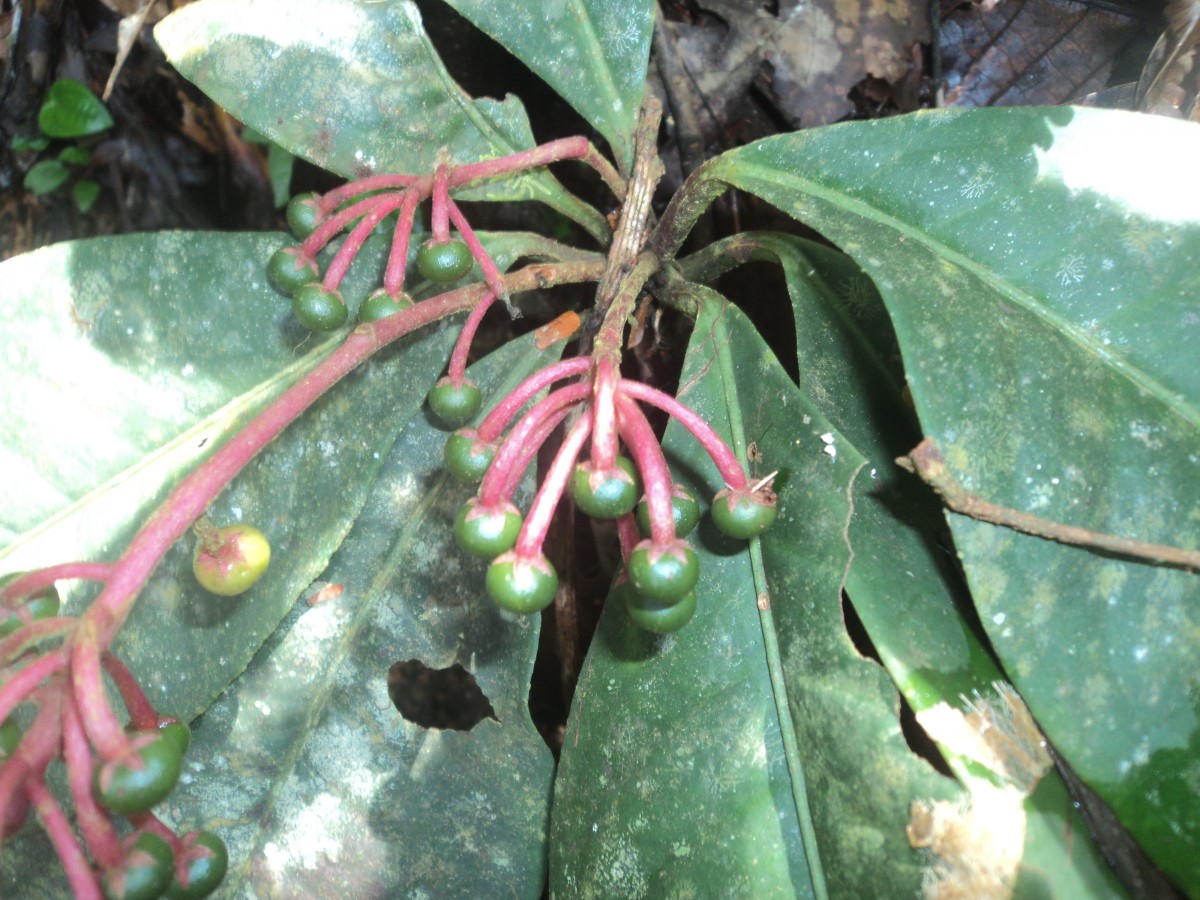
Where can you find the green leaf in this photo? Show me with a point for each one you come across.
(1037, 265)
(279, 168)
(74, 156)
(677, 774)
(70, 110)
(46, 176)
(24, 142)
(355, 88)
(141, 355)
(850, 362)
(593, 53)
(85, 193)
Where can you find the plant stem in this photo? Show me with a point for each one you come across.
(462, 347)
(497, 420)
(340, 264)
(95, 826)
(397, 264)
(691, 200)
(639, 437)
(722, 456)
(927, 462)
(22, 683)
(142, 714)
(541, 512)
(32, 582)
(79, 873)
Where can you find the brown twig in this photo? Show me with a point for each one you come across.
(927, 462)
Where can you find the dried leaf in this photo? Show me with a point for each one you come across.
(1169, 85)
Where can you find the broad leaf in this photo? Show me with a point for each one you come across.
(1038, 266)
(141, 355)
(70, 110)
(593, 53)
(353, 87)
(305, 768)
(850, 364)
(674, 774)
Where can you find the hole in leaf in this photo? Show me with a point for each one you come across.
(857, 631)
(919, 741)
(437, 698)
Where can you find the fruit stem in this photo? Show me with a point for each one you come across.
(332, 226)
(656, 476)
(439, 223)
(541, 512)
(397, 264)
(99, 720)
(519, 440)
(576, 147)
(490, 273)
(529, 450)
(462, 347)
(627, 534)
(142, 713)
(723, 457)
(21, 684)
(79, 873)
(13, 646)
(32, 582)
(604, 436)
(98, 833)
(340, 264)
(327, 203)
(498, 419)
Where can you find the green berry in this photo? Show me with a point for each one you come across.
(487, 532)
(521, 585)
(318, 309)
(684, 508)
(290, 270)
(445, 262)
(140, 777)
(743, 514)
(381, 304)
(605, 494)
(207, 859)
(147, 871)
(453, 403)
(304, 214)
(663, 573)
(10, 736)
(42, 604)
(177, 731)
(466, 456)
(654, 615)
(231, 560)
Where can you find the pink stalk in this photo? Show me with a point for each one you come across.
(87, 685)
(82, 879)
(627, 534)
(148, 821)
(20, 685)
(577, 147)
(541, 513)
(142, 713)
(726, 463)
(529, 450)
(393, 275)
(32, 582)
(95, 825)
(353, 243)
(335, 198)
(438, 222)
(191, 497)
(497, 420)
(511, 450)
(604, 438)
(28, 635)
(462, 346)
(334, 225)
(490, 273)
(656, 476)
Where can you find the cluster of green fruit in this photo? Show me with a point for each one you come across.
(318, 304)
(658, 584)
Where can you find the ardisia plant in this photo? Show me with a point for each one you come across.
(1004, 289)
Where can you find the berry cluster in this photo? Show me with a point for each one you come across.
(135, 769)
(601, 412)
(54, 666)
